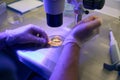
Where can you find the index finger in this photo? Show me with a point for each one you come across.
(39, 32)
(88, 19)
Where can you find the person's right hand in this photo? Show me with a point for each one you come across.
(83, 29)
(28, 36)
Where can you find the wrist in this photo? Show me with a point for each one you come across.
(73, 44)
(73, 40)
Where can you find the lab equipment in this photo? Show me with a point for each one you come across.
(55, 40)
(54, 12)
(54, 9)
(79, 6)
(15, 19)
(114, 55)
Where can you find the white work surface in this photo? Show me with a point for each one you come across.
(93, 54)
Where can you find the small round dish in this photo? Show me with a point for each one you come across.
(55, 40)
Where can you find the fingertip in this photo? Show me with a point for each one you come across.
(100, 20)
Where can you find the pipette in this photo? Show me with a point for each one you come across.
(114, 54)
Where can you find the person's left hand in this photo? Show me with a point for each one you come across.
(27, 36)
(84, 30)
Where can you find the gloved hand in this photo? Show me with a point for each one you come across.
(81, 32)
(27, 36)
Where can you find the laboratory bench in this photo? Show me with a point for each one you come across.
(93, 54)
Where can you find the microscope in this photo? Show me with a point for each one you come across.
(54, 9)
